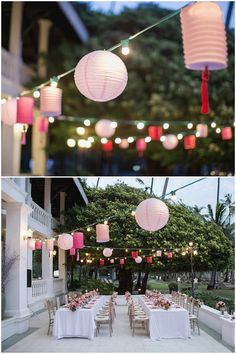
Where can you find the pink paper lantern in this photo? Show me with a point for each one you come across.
(124, 144)
(65, 241)
(189, 142)
(49, 244)
(25, 110)
(122, 261)
(149, 259)
(78, 240)
(102, 233)
(226, 133)
(43, 125)
(107, 252)
(101, 76)
(158, 253)
(202, 129)
(38, 245)
(169, 255)
(170, 142)
(104, 129)
(108, 147)
(50, 101)
(141, 146)
(31, 243)
(9, 111)
(155, 132)
(72, 251)
(134, 254)
(102, 262)
(152, 214)
(138, 259)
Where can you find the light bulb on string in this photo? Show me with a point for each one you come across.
(51, 119)
(162, 138)
(213, 124)
(71, 143)
(54, 81)
(148, 139)
(180, 136)
(87, 122)
(197, 134)
(104, 140)
(105, 222)
(140, 125)
(218, 130)
(80, 130)
(118, 140)
(130, 139)
(91, 139)
(88, 229)
(125, 47)
(166, 125)
(114, 125)
(133, 212)
(36, 94)
(190, 125)
(173, 196)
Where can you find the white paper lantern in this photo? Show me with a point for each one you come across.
(152, 214)
(9, 111)
(138, 259)
(50, 101)
(65, 241)
(124, 144)
(170, 142)
(102, 233)
(101, 76)
(31, 243)
(107, 252)
(104, 129)
(202, 129)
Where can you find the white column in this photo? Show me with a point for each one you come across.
(47, 269)
(15, 43)
(39, 142)
(62, 206)
(62, 268)
(47, 195)
(16, 288)
(44, 27)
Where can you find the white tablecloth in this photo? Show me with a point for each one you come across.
(79, 323)
(172, 323)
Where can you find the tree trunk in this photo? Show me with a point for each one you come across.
(144, 282)
(138, 285)
(212, 282)
(96, 273)
(125, 281)
(226, 279)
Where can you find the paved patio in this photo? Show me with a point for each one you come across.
(121, 341)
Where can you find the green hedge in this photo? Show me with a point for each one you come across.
(210, 299)
(103, 288)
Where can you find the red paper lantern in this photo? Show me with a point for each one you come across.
(25, 110)
(149, 259)
(108, 146)
(189, 142)
(122, 261)
(226, 133)
(102, 262)
(169, 255)
(155, 132)
(38, 245)
(134, 254)
(72, 251)
(141, 146)
(43, 125)
(78, 240)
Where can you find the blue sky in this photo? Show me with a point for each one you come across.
(117, 6)
(201, 193)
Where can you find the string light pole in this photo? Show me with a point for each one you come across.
(192, 252)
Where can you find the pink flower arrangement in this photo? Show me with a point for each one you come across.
(80, 300)
(166, 304)
(220, 305)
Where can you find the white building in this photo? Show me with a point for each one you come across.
(33, 204)
(18, 20)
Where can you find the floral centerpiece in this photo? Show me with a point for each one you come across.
(77, 301)
(220, 305)
(166, 304)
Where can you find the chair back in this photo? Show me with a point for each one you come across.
(49, 304)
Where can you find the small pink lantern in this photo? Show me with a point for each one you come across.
(189, 142)
(226, 133)
(122, 261)
(31, 243)
(43, 125)
(77, 257)
(138, 259)
(124, 144)
(108, 147)
(134, 254)
(152, 214)
(107, 252)
(155, 132)
(202, 129)
(49, 244)
(78, 240)
(141, 146)
(38, 245)
(9, 111)
(104, 129)
(149, 259)
(158, 253)
(65, 241)
(170, 142)
(50, 101)
(112, 261)
(101, 76)
(169, 255)
(102, 233)
(25, 110)
(72, 251)
(102, 262)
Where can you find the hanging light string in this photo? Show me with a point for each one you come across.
(156, 24)
(106, 219)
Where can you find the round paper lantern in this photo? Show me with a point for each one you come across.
(226, 133)
(171, 142)
(134, 254)
(189, 142)
(49, 244)
(112, 261)
(107, 252)
(72, 251)
(38, 245)
(204, 41)
(25, 110)
(50, 101)
(102, 262)
(104, 129)
(152, 214)
(155, 132)
(149, 259)
(202, 129)
(170, 255)
(124, 144)
(78, 240)
(43, 125)
(31, 243)
(158, 253)
(9, 111)
(101, 76)
(141, 146)
(65, 241)
(102, 233)
(108, 147)
(122, 261)
(138, 259)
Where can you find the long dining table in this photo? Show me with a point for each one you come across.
(163, 324)
(80, 323)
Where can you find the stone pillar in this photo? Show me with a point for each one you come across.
(62, 206)
(44, 27)
(16, 288)
(47, 269)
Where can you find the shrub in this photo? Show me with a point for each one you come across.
(103, 288)
(173, 287)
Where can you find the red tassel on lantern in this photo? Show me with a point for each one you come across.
(108, 147)
(226, 133)
(102, 262)
(149, 259)
(189, 142)
(205, 102)
(38, 245)
(141, 146)
(170, 255)
(122, 261)
(155, 132)
(134, 254)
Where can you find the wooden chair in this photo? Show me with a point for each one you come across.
(194, 315)
(139, 319)
(104, 319)
(49, 304)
